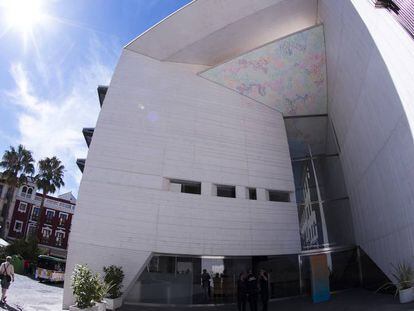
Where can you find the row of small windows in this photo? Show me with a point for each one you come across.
(226, 191)
(63, 217)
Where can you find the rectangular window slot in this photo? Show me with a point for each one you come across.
(278, 196)
(226, 191)
(185, 186)
(252, 194)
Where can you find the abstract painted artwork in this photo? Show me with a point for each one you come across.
(288, 74)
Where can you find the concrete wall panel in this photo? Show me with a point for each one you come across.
(370, 104)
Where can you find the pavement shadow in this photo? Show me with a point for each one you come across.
(6, 306)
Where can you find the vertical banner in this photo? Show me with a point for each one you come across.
(320, 278)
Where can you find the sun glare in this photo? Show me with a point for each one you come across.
(23, 15)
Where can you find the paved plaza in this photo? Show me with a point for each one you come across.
(26, 294)
(29, 295)
(352, 300)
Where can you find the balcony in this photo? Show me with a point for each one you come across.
(45, 240)
(25, 195)
(55, 204)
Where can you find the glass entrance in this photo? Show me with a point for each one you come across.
(175, 279)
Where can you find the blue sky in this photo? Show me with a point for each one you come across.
(50, 69)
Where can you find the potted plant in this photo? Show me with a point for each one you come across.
(102, 292)
(113, 276)
(85, 285)
(404, 277)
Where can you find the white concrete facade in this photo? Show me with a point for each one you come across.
(161, 121)
(370, 63)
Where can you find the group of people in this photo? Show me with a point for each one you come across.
(250, 288)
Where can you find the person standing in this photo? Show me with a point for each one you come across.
(252, 291)
(241, 292)
(7, 276)
(26, 265)
(205, 284)
(264, 288)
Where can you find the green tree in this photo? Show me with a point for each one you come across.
(48, 180)
(27, 249)
(17, 164)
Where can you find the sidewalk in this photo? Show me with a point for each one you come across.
(352, 300)
(26, 294)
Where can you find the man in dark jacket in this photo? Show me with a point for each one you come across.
(252, 291)
(241, 292)
(205, 284)
(264, 288)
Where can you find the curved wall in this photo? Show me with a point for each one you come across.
(370, 64)
(160, 120)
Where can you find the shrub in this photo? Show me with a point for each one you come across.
(85, 286)
(27, 249)
(114, 276)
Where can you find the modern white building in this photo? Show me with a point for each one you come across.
(247, 134)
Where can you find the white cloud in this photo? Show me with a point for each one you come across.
(53, 125)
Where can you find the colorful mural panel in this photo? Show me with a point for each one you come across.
(288, 74)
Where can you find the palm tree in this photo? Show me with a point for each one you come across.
(17, 164)
(48, 179)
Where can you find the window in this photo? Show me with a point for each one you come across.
(185, 186)
(59, 238)
(252, 194)
(18, 226)
(26, 192)
(226, 191)
(49, 215)
(63, 217)
(31, 231)
(278, 196)
(46, 233)
(22, 207)
(35, 213)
